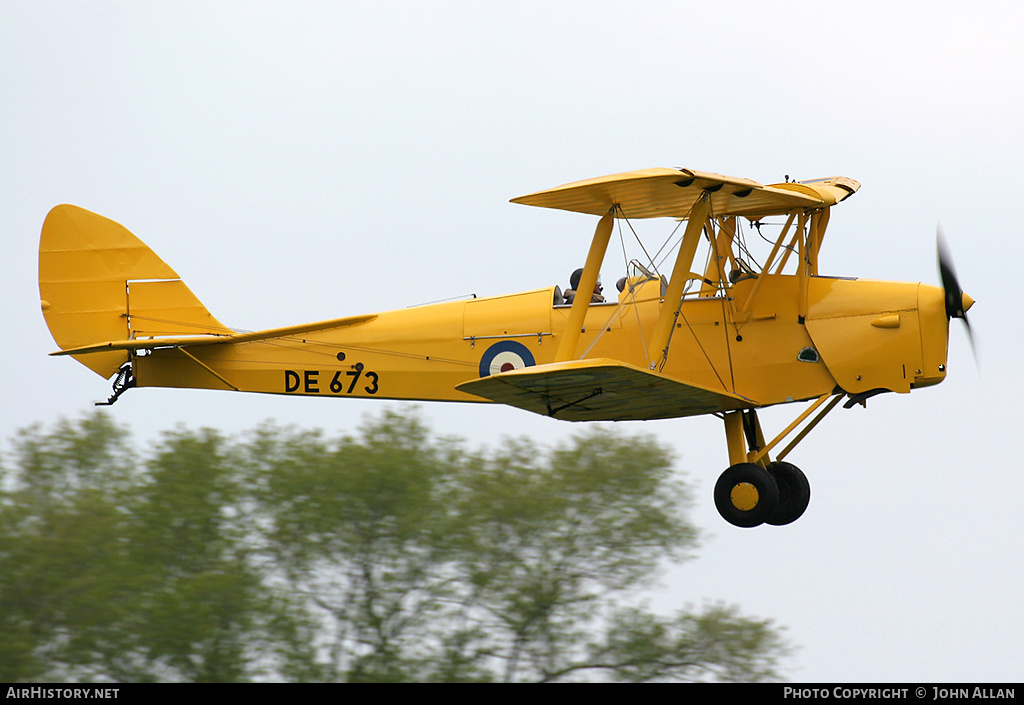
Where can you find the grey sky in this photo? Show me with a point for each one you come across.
(302, 161)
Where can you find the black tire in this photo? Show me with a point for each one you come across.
(746, 495)
(794, 493)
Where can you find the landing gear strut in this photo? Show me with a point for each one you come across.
(755, 490)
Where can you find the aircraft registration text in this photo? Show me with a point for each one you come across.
(357, 379)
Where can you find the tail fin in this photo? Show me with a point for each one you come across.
(98, 282)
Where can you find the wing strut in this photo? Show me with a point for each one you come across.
(584, 292)
(657, 353)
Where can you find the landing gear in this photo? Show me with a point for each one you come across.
(755, 490)
(746, 494)
(749, 495)
(794, 493)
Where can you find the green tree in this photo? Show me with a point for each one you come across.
(386, 555)
(429, 561)
(60, 557)
(114, 568)
(359, 527)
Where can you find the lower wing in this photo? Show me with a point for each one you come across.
(601, 390)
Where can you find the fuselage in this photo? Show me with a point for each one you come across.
(770, 339)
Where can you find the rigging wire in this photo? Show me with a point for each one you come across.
(650, 260)
(757, 225)
(741, 246)
(663, 360)
(631, 298)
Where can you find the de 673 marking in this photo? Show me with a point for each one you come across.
(341, 382)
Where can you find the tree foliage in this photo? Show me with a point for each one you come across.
(388, 555)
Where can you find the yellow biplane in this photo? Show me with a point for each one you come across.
(728, 338)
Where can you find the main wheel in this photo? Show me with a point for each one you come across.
(794, 493)
(746, 495)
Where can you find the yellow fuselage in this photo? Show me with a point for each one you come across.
(793, 340)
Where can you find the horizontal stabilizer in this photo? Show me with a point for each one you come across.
(194, 340)
(600, 390)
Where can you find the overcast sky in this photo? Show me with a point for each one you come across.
(302, 161)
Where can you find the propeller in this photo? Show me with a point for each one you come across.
(957, 302)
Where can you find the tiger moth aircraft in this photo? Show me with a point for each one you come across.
(717, 333)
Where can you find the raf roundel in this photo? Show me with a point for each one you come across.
(505, 356)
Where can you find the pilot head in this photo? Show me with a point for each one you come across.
(574, 281)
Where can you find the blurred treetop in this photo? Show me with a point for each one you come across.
(389, 555)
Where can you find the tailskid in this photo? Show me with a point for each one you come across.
(124, 381)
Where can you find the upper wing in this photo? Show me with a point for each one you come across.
(664, 192)
(600, 390)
